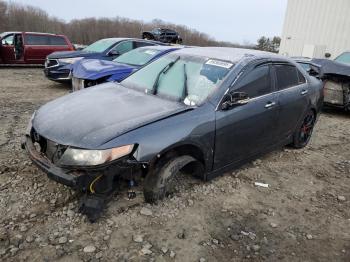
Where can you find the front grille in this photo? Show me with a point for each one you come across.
(52, 151)
(77, 84)
(51, 63)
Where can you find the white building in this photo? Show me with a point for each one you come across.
(313, 28)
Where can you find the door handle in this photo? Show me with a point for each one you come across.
(304, 92)
(270, 104)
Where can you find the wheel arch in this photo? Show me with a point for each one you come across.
(180, 149)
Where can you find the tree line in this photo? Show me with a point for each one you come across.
(17, 17)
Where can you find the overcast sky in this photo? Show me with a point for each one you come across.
(229, 20)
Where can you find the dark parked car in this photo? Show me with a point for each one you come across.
(30, 48)
(59, 64)
(90, 72)
(196, 110)
(163, 35)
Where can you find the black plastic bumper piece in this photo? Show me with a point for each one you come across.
(55, 173)
(93, 206)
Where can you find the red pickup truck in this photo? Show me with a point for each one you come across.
(30, 48)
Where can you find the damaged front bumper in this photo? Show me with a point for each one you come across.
(55, 173)
(81, 178)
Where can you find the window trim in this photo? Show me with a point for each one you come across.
(289, 64)
(243, 72)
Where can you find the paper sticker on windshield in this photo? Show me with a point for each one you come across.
(219, 63)
(150, 52)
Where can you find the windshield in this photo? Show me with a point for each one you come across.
(344, 58)
(100, 45)
(137, 57)
(181, 78)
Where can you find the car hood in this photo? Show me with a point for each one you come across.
(71, 54)
(93, 69)
(330, 67)
(91, 117)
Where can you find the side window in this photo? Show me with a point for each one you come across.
(57, 40)
(256, 83)
(36, 39)
(124, 47)
(8, 40)
(301, 78)
(287, 76)
(141, 44)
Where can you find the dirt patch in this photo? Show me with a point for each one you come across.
(304, 215)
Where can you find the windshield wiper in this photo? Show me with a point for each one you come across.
(163, 71)
(185, 90)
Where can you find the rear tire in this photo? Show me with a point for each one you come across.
(303, 133)
(162, 181)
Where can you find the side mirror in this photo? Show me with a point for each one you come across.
(233, 99)
(327, 55)
(113, 53)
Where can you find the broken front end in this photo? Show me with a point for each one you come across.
(94, 173)
(337, 92)
(336, 77)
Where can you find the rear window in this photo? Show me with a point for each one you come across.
(37, 40)
(142, 44)
(57, 40)
(287, 76)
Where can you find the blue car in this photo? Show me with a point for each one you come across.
(90, 72)
(58, 65)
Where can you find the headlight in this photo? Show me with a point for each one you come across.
(70, 60)
(85, 157)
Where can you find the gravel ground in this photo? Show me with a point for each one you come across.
(304, 214)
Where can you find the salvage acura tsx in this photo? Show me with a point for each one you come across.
(199, 110)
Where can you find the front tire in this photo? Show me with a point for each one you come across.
(303, 134)
(162, 181)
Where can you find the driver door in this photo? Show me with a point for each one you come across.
(245, 130)
(8, 50)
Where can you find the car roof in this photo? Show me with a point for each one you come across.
(300, 59)
(117, 39)
(18, 32)
(160, 47)
(229, 54)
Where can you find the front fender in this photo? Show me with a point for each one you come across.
(195, 127)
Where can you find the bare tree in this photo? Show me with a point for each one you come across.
(17, 17)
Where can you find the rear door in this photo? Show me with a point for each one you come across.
(292, 97)
(36, 48)
(246, 130)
